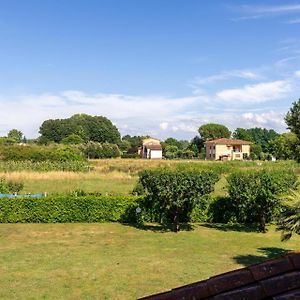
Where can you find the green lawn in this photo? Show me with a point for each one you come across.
(114, 261)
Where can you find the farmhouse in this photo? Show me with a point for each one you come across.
(151, 149)
(227, 149)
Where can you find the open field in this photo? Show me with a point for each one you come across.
(113, 261)
(119, 176)
(56, 182)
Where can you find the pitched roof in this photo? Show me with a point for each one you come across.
(224, 141)
(153, 146)
(277, 279)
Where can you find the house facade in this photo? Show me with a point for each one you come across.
(227, 149)
(151, 149)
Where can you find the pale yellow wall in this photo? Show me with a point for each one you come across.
(221, 150)
(246, 149)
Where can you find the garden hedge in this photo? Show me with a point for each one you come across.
(68, 209)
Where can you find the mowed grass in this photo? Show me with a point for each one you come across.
(114, 261)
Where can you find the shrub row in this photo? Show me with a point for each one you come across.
(94, 150)
(37, 153)
(68, 209)
(44, 166)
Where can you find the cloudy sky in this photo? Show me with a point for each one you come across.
(158, 67)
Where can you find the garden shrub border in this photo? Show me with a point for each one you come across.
(69, 209)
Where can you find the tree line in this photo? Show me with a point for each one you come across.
(92, 132)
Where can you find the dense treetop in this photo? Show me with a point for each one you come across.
(79, 127)
(212, 131)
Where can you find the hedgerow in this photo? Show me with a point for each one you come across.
(68, 209)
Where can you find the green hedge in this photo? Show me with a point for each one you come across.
(68, 209)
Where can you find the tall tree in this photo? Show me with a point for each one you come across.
(292, 118)
(212, 131)
(88, 128)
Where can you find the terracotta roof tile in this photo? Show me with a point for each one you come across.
(247, 293)
(271, 268)
(229, 281)
(280, 284)
(277, 279)
(224, 141)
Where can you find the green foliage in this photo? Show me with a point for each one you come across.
(222, 210)
(254, 194)
(10, 186)
(88, 128)
(284, 146)
(72, 139)
(37, 153)
(15, 135)
(292, 118)
(259, 136)
(134, 141)
(214, 131)
(68, 209)
(289, 223)
(95, 150)
(171, 152)
(172, 195)
(44, 166)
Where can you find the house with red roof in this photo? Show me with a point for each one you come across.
(227, 149)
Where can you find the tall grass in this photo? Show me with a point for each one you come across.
(44, 166)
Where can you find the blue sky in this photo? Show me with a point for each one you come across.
(159, 67)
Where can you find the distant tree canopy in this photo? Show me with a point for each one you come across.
(212, 131)
(259, 136)
(15, 135)
(134, 141)
(80, 126)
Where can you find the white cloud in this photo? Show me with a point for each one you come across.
(252, 12)
(265, 9)
(297, 73)
(257, 93)
(164, 125)
(226, 75)
(293, 21)
(141, 114)
(270, 119)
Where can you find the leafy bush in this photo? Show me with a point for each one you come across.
(64, 209)
(254, 194)
(172, 195)
(10, 186)
(37, 153)
(93, 150)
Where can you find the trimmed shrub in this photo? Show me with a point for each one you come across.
(69, 209)
(254, 194)
(172, 195)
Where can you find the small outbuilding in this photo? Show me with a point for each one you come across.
(151, 149)
(227, 149)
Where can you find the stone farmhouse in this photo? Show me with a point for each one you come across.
(227, 149)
